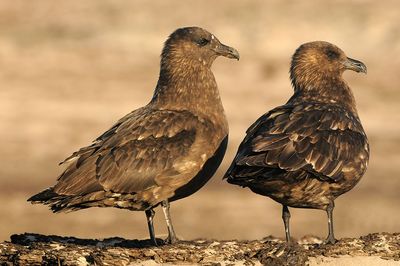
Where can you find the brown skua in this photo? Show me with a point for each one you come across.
(309, 151)
(164, 151)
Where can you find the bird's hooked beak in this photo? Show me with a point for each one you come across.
(355, 65)
(227, 51)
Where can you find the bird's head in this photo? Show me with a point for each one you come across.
(196, 45)
(316, 61)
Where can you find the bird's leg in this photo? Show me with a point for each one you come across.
(171, 233)
(149, 215)
(329, 210)
(286, 218)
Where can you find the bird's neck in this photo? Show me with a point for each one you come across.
(326, 89)
(188, 85)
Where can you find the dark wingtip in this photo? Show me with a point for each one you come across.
(43, 196)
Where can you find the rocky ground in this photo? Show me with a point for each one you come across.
(35, 249)
(70, 69)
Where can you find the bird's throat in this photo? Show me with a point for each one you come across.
(329, 90)
(188, 86)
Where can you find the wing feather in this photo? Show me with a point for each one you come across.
(317, 138)
(141, 150)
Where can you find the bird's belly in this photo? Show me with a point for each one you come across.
(202, 177)
(307, 193)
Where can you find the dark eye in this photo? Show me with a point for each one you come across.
(202, 42)
(332, 54)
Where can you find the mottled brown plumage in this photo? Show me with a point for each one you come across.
(161, 152)
(306, 153)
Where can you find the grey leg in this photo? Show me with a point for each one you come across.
(171, 233)
(286, 218)
(329, 210)
(149, 215)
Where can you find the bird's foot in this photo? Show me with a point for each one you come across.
(171, 240)
(156, 242)
(289, 244)
(330, 240)
(288, 247)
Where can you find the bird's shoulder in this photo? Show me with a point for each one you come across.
(318, 116)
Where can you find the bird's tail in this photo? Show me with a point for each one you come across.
(49, 197)
(67, 203)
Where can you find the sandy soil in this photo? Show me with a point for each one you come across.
(68, 70)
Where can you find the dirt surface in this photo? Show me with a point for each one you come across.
(34, 249)
(70, 69)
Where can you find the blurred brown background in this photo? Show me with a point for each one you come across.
(69, 69)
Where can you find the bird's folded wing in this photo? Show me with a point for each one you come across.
(143, 149)
(321, 139)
